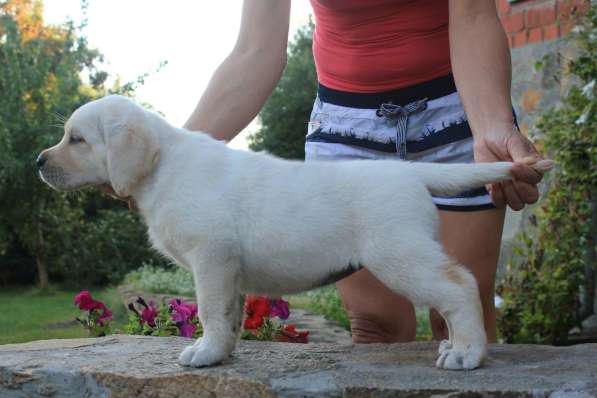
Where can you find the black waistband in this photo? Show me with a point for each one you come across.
(431, 89)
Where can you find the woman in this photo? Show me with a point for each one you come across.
(395, 77)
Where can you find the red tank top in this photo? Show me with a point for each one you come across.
(366, 46)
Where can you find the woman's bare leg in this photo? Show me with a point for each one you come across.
(473, 239)
(376, 314)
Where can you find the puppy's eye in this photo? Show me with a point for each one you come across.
(75, 139)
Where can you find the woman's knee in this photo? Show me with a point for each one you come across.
(376, 313)
(368, 328)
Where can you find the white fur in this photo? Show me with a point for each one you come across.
(246, 222)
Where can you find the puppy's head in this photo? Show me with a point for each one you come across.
(108, 141)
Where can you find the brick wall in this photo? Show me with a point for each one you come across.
(535, 21)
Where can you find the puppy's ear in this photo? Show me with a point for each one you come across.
(133, 153)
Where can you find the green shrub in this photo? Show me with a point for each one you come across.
(99, 249)
(541, 293)
(152, 279)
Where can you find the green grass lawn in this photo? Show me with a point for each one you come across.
(26, 314)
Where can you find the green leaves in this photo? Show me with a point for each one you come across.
(87, 239)
(541, 292)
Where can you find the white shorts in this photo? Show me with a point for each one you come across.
(422, 123)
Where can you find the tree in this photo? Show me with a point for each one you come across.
(285, 115)
(40, 80)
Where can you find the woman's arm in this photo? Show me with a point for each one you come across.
(241, 84)
(482, 71)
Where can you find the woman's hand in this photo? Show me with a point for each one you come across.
(508, 144)
(483, 74)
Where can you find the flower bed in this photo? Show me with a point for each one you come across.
(263, 319)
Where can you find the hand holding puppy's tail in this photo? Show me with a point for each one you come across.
(541, 166)
(451, 179)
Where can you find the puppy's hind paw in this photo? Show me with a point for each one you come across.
(454, 359)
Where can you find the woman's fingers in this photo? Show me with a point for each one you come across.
(525, 173)
(528, 193)
(511, 196)
(515, 194)
(497, 195)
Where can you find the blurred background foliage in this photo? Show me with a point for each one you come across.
(550, 288)
(81, 238)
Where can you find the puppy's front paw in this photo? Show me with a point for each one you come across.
(186, 355)
(198, 356)
(444, 345)
(460, 359)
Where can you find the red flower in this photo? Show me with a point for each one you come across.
(256, 308)
(288, 334)
(86, 303)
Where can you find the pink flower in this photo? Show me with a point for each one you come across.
(106, 316)
(279, 308)
(181, 311)
(149, 314)
(187, 329)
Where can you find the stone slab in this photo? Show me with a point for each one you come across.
(138, 366)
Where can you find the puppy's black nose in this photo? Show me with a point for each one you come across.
(41, 160)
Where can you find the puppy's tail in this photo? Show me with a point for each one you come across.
(451, 179)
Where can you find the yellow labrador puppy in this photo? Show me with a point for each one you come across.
(246, 222)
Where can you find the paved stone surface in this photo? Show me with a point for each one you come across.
(320, 329)
(135, 366)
